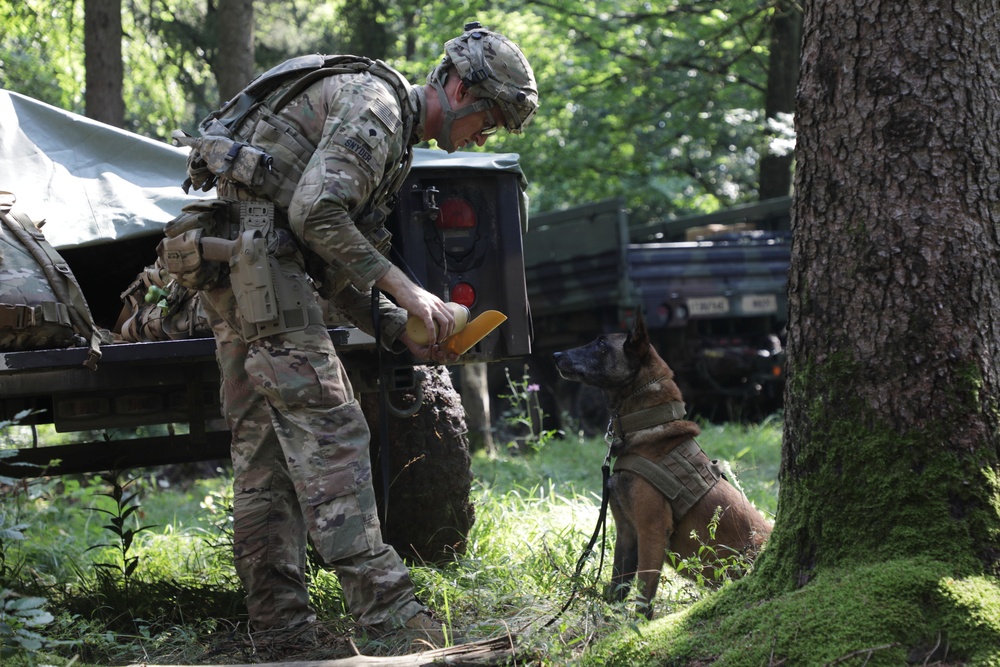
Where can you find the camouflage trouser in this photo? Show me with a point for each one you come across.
(300, 459)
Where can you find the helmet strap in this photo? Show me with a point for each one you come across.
(450, 115)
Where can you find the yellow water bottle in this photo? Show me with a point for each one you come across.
(417, 332)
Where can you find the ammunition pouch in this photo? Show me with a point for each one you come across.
(180, 252)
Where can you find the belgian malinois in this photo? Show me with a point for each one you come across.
(663, 487)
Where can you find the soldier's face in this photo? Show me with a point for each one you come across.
(473, 129)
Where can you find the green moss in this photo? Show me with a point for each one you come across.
(900, 610)
(863, 491)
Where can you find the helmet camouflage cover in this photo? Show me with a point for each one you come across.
(493, 68)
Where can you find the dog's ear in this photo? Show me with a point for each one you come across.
(637, 342)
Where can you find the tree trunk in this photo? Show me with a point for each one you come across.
(782, 77)
(367, 34)
(102, 45)
(476, 401)
(234, 61)
(891, 445)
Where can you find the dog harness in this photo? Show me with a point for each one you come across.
(684, 475)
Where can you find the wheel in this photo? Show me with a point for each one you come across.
(430, 512)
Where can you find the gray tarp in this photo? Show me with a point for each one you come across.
(94, 183)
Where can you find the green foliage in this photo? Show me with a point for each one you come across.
(124, 506)
(22, 617)
(524, 416)
(711, 566)
(535, 512)
(661, 104)
(41, 50)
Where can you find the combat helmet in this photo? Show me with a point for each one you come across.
(495, 71)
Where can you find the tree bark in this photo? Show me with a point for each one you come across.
(476, 401)
(102, 46)
(234, 61)
(891, 446)
(782, 77)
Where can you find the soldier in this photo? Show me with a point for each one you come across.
(309, 168)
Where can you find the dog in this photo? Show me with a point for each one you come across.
(647, 426)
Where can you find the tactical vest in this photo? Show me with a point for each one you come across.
(254, 113)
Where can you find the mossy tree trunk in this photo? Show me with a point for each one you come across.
(891, 446)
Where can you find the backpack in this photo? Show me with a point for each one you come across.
(41, 303)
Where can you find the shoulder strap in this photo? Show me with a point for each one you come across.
(303, 72)
(60, 277)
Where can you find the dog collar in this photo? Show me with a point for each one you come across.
(619, 426)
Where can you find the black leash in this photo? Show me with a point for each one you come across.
(383, 414)
(599, 529)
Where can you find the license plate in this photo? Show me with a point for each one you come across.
(759, 304)
(704, 306)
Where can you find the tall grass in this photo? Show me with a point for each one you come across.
(534, 514)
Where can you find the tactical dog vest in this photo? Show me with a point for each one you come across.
(683, 476)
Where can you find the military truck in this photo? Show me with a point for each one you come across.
(106, 195)
(712, 289)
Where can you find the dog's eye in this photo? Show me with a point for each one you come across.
(602, 343)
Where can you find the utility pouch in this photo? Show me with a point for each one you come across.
(227, 157)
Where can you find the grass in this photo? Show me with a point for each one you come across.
(183, 603)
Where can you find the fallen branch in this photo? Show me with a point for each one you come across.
(861, 651)
(475, 654)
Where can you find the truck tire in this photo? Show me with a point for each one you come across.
(430, 511)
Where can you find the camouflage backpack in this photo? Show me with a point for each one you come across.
(159, 308)
(41, 303)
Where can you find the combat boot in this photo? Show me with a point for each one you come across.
(423, 626)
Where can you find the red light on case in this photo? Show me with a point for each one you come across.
(463, 293)
(456, 213)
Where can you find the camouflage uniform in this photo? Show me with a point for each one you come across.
(300, 440)
(336, 150)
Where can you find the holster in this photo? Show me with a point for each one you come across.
(270, 300)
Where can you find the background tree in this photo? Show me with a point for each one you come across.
(367, 28)
(233, 65)
(779, 100)
(102, 46)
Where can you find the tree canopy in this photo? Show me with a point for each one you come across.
(661, 104)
